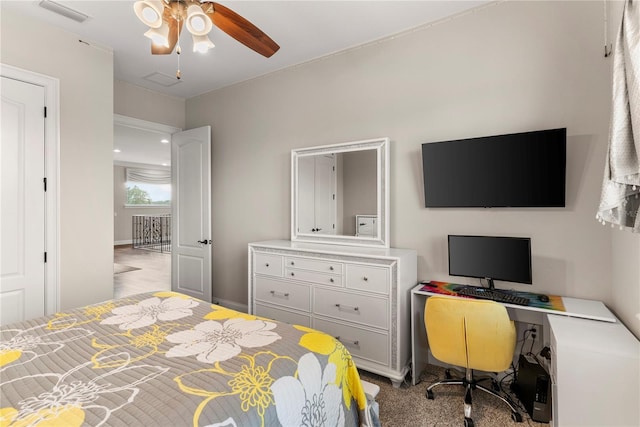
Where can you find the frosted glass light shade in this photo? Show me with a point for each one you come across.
(202, 44)
(159, 36)
(198, 23)
(149, 12)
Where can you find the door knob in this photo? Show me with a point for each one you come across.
(205, 242)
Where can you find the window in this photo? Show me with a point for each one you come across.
(148, 188)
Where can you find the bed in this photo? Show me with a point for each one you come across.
(166, 359)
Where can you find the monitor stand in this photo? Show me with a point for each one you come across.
(490, 283)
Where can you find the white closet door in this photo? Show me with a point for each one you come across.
(306, 183)
(325, 187)
(22, 268)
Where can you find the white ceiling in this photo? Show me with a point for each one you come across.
(140, 146)
(305, 30)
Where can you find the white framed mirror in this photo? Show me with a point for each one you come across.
(340, 193)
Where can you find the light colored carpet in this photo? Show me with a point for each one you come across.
(121, 268)
(408, 406)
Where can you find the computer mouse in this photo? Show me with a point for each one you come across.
(543, 298)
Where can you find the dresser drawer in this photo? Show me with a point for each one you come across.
(314, 265)
(365, 344)
(312, 276)
(368, 278)
(282, 315)
(270, 264)
(283, 293)
(366, 310)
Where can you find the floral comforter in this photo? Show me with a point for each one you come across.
(165, 359)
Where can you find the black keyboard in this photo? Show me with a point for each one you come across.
(493, 295)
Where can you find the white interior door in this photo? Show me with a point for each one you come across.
(324, 194)
(22, 263)
(191, 210)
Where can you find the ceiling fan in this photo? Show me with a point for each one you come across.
(165, 19)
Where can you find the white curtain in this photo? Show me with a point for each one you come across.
(148, 176)
(620, 199)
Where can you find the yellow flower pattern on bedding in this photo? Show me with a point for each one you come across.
(347, 376)
(34, 342)
(251, 383)
(140, 343)
(63, 399)
(164, 358)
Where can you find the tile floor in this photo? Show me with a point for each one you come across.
(154, 273)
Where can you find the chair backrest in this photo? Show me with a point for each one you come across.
(476, 334)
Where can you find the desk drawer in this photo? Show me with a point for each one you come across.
(366, 310)
(269, 264)
(365, 344)
(314, 265)
(368, 278)
(277, 292)
(312, 276)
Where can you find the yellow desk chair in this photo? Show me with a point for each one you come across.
(474, 334)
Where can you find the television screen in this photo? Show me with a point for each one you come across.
(515, 170)
(495, 258)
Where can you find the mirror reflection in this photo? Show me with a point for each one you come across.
(339, 193)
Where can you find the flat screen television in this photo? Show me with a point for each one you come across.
(515, 170)
(491, 258)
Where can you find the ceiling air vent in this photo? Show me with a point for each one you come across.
(162, 79)
(63, 10)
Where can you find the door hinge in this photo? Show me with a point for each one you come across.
(334, 226)
(45, 112)
(45, 183)
(334, 196)
(45, 257)
(333, 168)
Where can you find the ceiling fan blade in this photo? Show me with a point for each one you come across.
(174, 30)
(240, 29)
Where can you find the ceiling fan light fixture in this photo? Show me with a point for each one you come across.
(198, 23)
(159, 36)
(202, 44)
(149, 12)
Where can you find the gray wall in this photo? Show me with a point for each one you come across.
(509, 67)
(359, 186)
(144, 104)
(86, 142)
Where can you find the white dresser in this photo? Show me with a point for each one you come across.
(359, 295)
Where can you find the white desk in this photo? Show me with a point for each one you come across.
(595, 360)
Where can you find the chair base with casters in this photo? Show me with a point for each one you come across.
(470, 383)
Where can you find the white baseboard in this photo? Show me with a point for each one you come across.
(122, 242)
(244, 308)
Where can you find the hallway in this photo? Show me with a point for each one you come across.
(140, 270)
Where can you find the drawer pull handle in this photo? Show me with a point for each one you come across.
(347, 341)
(292, 273)
(331, 280)
(331, 267)
(284, 294)
(347, 307)
(292, 263)
(267, 264)
(365, 278)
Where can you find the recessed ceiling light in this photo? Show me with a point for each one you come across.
(165, 141)
(116, 150)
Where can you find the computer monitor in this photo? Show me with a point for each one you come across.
(491, 258)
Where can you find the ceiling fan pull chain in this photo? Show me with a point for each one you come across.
(178, 51)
